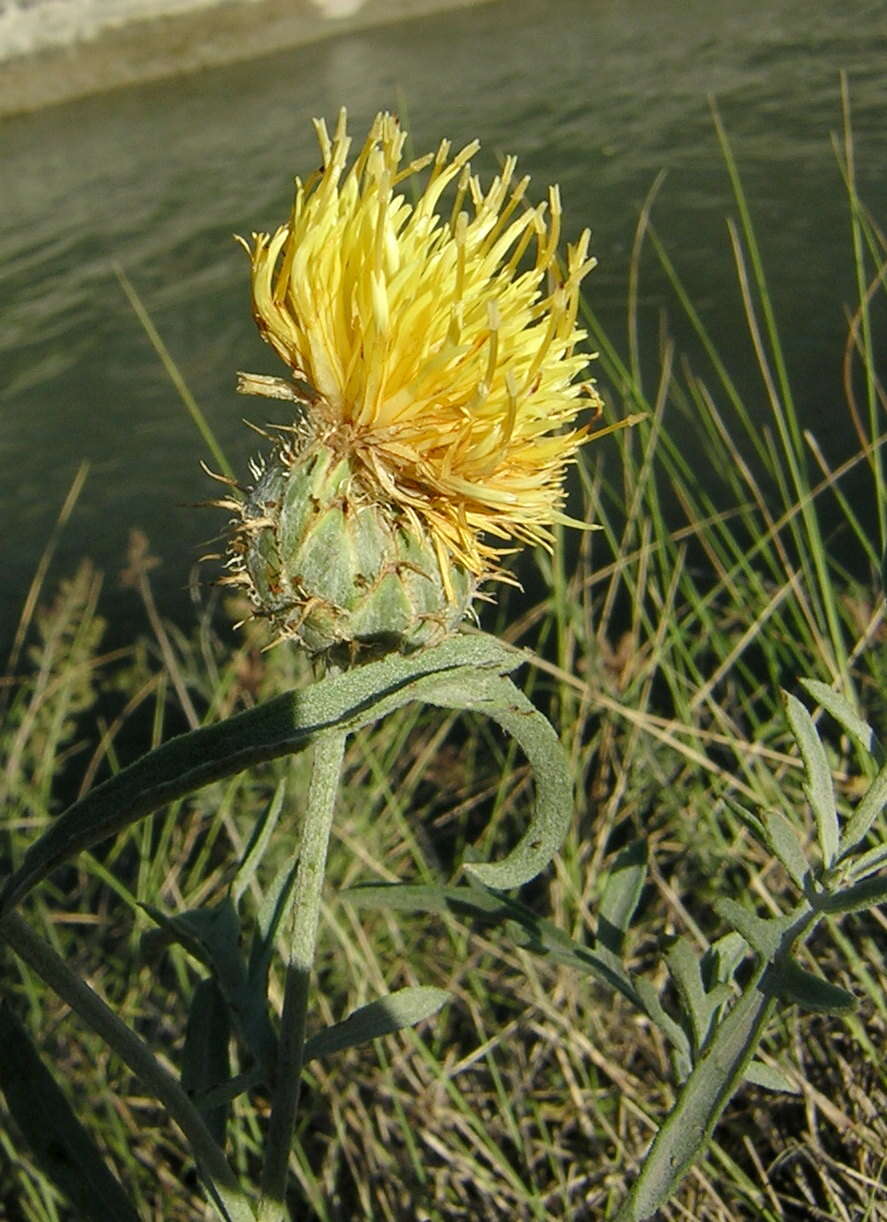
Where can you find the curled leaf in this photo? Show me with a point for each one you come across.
(466, 671)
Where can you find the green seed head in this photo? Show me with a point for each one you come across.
(334, 569)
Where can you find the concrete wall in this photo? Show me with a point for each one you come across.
(55, 50)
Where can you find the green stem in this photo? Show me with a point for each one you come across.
(329, 751)
(718, 1073)
(52, 969)
(703, 1098)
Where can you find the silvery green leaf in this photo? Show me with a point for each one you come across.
(225, 1092)
(701, 1101)
(497, 697)
(523, 927)
(684, 966)
(791, 982)
(404, 1008)
(247, 996)
(258, 843)
(747, 817)
(623, 888)
(464, 672)
(770, 1078)
(720, 994)
(867, 863)
(842, 712)
(211, 934)
(205, 1063)
(672, 1030)
(782, 840)
(720, 961)
(762, 935)
(864, 895)
(818, 787)
(867, 811)
(622, 891)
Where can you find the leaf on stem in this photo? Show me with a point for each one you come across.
(393, 1012)
(791, 982)
(720, 961)
(867, 811)
(763, 935)
(258, 843)
(770, 1078)
(842, 712)
(464, 672)
(213, 936)
(496, 697)
(860, 896)
(818, 786)
(673, 1031)
(782, 840)
(205, 1062)
(620, 899)
(488, 909)
(686, 972)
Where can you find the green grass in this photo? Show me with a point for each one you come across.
(662, 643)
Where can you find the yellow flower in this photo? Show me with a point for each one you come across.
(433, 349)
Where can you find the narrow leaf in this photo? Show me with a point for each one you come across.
(867, 811)
(867, 863)
(258, 843)
(842, 712)
(747, 817)
(404, 1008)
(205, 1062)
(60, 1143)
(421, 897)
(226, 1092)
(685, 971)
(490, 909)
(759, 1074)
(793, 983)
(621, 896)
(272, 909)
(762, 935)
(211, 934)
(818, 788)
(673, 1031)
(250, 1004)
(498, 698)
(723, 957)
(441, 675)
(703, 1097)
(782, 840)
(860, 896)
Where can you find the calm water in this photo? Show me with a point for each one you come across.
(597, 95)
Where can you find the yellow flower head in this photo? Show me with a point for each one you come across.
(436, 349)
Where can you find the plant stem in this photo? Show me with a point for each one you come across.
(705, 1094)
(328, 754)
(136, 1055)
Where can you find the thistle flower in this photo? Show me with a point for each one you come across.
(432, 353)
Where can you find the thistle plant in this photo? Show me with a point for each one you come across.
(437, 392)
(435, 383)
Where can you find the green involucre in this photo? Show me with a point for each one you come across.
(331, 567)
